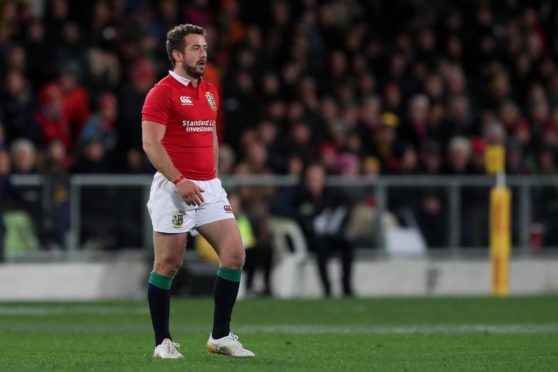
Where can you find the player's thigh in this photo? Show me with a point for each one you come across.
(224, 236)
(169, 249)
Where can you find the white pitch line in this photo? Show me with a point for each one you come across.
(77, 310)
(385, 329)
(319, 329)
(550, 328)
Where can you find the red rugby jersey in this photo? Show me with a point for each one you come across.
(189, 113)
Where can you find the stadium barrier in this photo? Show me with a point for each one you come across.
(525, 227)
(381, 268)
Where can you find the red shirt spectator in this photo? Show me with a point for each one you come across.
(51, 116)
(75, 102)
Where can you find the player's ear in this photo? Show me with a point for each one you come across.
(177, 56)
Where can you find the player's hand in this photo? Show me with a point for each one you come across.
(190, 192)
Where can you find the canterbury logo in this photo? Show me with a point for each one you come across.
(228, 208)
(186, 101)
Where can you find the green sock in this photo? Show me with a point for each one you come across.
(160, 281)
(229, 274)
(225, 293)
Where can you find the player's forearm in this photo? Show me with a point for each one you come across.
(160, 159)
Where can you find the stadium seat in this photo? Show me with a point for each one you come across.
(290, 252)
(20, 238)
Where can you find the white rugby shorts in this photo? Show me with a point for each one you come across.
(170, 213)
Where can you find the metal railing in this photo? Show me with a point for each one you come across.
(380, 187)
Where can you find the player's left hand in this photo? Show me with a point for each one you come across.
(190, 192)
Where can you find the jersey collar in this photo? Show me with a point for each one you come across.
(179, 78)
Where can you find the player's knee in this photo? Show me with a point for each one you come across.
(235, 260)
(241, 259)
(167, 267)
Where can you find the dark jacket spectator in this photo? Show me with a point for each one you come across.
(321, 213)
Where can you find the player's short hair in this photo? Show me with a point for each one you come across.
(175, 38)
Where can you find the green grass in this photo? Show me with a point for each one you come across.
(417, 334)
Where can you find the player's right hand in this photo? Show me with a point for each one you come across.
(190, 192)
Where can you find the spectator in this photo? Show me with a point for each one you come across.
(227, 160)
(136, 163)
(17, 108)
(431, 216)
(51, 117)
(430, 160)
(347, 164)
(393, 99)
(36, 49)
(321, 214)
(142, 77)
(515, 159)
(92, 158)
(369, 115)
(295, 165)
(24, 162)
(459, 156)
(56, 197)
(96, 201)
(328, 154)
(300, 141)
(459, 121)
(102, 123)
(24, 157)
(370, 167)
(478, 158)
(74, 100)
(267, 133)
(384, 144)
(416, 129)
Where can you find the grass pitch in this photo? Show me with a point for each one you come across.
(419, 334)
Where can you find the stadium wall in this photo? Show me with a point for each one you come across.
(72, 281)
(424, 277)
(417, 277)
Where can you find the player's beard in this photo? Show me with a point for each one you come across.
(195, 71)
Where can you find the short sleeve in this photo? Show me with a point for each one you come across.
(156, 107)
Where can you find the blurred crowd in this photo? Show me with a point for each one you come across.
(367, 87)
(363, 87)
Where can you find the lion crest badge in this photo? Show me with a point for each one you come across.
(178, 219)
(211, 100)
